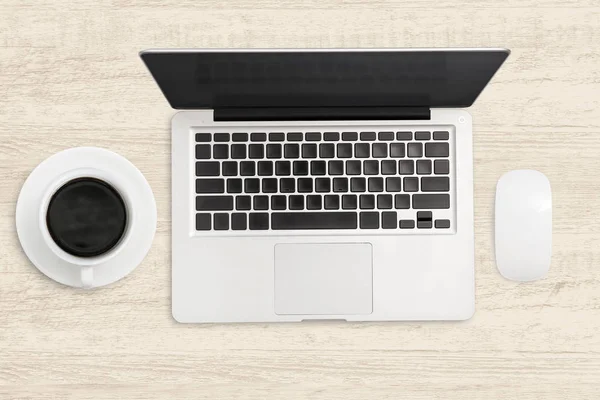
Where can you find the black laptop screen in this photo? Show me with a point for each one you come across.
(221, 79)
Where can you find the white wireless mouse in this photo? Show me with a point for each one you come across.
(523, 225)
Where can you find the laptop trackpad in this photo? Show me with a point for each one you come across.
(319, 279)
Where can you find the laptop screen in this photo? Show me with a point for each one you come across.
(199, 79)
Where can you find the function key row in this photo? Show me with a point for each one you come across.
(320, 167)
(311, 220)
(324, 150)
(203, 137)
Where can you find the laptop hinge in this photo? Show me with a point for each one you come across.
(321, 113)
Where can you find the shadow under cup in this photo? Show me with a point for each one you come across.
(86, 217)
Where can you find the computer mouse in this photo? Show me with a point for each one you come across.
(523, 235)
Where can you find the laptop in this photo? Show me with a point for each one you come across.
(322, 184)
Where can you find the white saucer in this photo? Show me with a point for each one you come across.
(57, 170)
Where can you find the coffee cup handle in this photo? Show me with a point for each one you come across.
(87, 277)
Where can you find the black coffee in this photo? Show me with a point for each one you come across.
(86, 217)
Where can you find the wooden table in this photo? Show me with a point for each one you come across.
(70, 76)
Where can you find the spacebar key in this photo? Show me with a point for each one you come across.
(313, 220)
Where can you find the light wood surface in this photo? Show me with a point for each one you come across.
(70, 76)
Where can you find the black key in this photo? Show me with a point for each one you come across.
(313, 220)
(309, 150)
(403, 135)
(208, 168)
(406, 167)
(256, 151)
(411, 184)
(252, 185)
(313, 202)
(362, 150)
(230, 168)
(203, 221)
(313, 136)
(379, 150)
(393, 184)
(221, 151)
(294, 136)
(358, 184)
(435, 184)
(441, 135)
(259, 221)
(331, 136)
(407, 224)
(214, 203)
(283, 168)
(322, 185)
(340, 185)
(276, 137)
(431, 201)
(296, 202)
(423, 167)
(368, 136)
(344, 150)
(437, 150)
(243, 202)
(369, 220)
(384, 201)
(269, 185)
(397, 150)
(326, 150)
(332, 202)
(221, 137)
(318, 168)
(234, 185)
(387, 136)
(265, 168)
(216, 185)
(335, 167)
(441, 167)
(422, 135)
(375, 184)
(367, 201)
(261, 203)
(415, 150)
(305, 185)
(247, 168)
(442, 223)
(371, 167)
(349, 202)
(300, 167)
(424, 219)
(221, 221)
(349, 136)
(291, 151)
(287, 185)
(278, 202)
(389, 220)
(353, 167)
(238, 222)
(238, 151)
(203, 137)
(258, 137)
(388, 167)
(274, 150)
(402, 201)
(203, 151)
(240, 137)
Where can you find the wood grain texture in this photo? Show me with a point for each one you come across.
(70, 76)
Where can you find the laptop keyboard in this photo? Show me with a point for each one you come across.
(388, 180)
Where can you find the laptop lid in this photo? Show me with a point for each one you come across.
(311, 78)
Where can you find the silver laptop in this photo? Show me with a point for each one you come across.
(322, 184)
